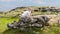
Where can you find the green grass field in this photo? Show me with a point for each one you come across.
(45, 30)
(4, 22)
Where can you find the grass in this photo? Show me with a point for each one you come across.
(4, 22)
(13, 13)
(45, 30)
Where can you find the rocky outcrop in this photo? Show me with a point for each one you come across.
(25, 23)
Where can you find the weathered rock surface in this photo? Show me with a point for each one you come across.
(25, 23)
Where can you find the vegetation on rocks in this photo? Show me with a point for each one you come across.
(12, 15)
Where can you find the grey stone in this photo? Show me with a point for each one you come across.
(30, 22)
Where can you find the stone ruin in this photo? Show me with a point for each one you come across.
(27, 23)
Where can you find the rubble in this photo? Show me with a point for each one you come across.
(24, 23)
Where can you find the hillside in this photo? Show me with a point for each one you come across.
(52, 12)
(38, 10)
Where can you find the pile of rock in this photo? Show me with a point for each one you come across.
(25, 23)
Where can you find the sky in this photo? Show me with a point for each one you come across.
(10, 4)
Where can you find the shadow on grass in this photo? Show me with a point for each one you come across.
(17, 31)
(14, 31)
(11, 31)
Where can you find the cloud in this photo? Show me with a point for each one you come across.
(39, 2)
(7, 0)
(22, 0)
